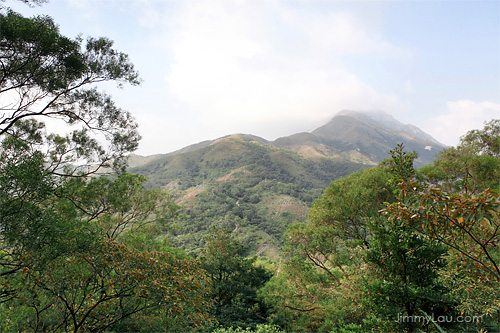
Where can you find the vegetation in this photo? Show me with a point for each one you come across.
(234, 281)
(388, 248)
(398, 253)
(67, 258)
(239, 183)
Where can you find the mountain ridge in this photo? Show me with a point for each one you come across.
(258, 187)
(344, 136)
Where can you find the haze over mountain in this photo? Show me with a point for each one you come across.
(365, 137)
(258, 187)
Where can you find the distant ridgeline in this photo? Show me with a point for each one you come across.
(257, 187)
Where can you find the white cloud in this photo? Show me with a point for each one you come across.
(463, 116)
(276, 67)
(408, 87)
(343, 33)
(88, 12)
(238, 69)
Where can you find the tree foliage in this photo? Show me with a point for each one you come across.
(320, 281)
(456, 203)
(349, 203)
(463, 218)
(46, 75)
(109, 282)
(65, 265)
(234, 281)
(406, 262)
(471, 167)
(67, 260)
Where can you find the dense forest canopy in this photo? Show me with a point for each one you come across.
(387, 248)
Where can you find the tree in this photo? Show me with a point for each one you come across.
(30, 3)
(468, 225)
(349, 203)
(46, 75)
(108, 283)
(76, 273)
(234, 281)
(407, 285)
(485, 141)
(407, 263)
(465, 221)
(471, 167)
(39, 208)
(320, 282)
(65, 263)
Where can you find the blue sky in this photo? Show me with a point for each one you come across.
(276, 67)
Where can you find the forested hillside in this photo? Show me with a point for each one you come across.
(257, 187)
(342, 246)
(240, 183)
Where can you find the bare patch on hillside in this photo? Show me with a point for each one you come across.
(231, 174)
(189, 197)
(279, 204)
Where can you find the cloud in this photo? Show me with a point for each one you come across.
(408, 87)
(343, 33)
(88, 12)
(463, 116)
(239, 65)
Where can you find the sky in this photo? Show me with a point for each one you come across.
(273, 68)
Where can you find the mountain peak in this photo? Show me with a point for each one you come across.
(356, 136)
(387, 120)
(365, 137)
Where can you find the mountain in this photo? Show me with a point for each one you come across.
(389, 121)
(241, 182)
(257, 187)
(220, 157)
(363, 137)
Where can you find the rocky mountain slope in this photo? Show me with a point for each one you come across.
(362, 137)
